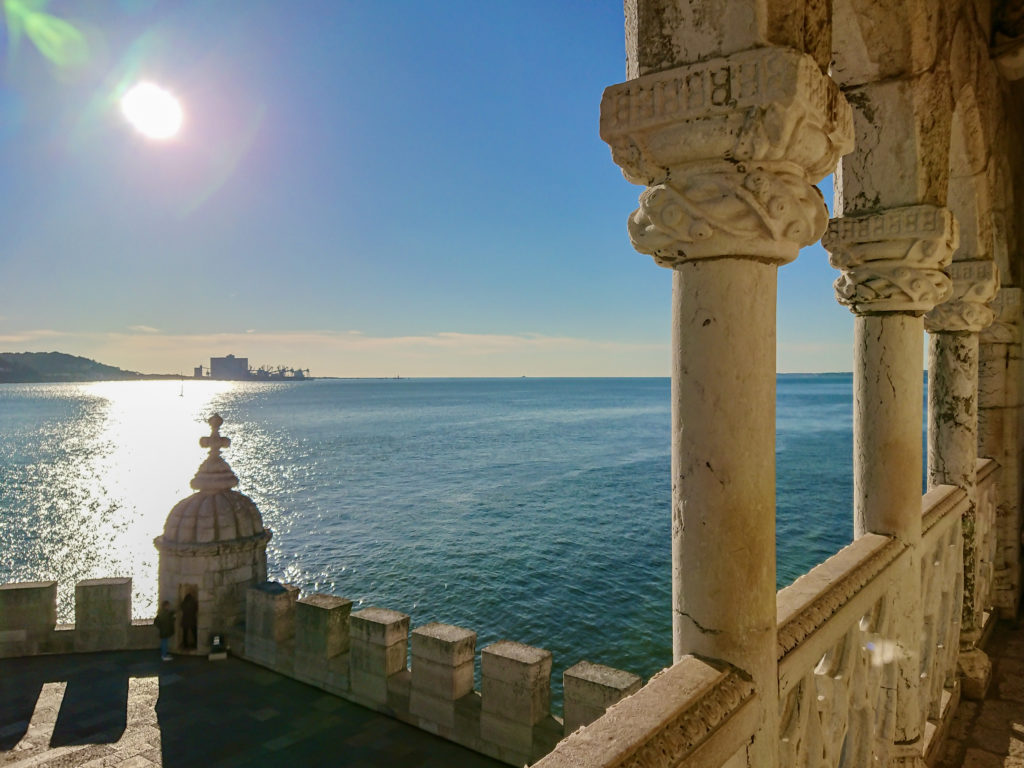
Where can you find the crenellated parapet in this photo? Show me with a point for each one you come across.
(363, 656)
(103, 619)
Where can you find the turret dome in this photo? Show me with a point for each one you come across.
(215, 514)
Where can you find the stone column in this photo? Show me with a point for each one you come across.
(999, 415)
(892, 264)
(728, 149)
(953, 433)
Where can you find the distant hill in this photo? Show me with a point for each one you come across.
(25, 367)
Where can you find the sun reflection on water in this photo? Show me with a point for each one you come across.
(98, 487)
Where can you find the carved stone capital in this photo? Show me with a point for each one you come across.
(766, 104)
(716, 209)
(893, 261)
(729, 149)
(975, 284)
(1005, 329)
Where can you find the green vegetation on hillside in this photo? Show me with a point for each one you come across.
(24, 367)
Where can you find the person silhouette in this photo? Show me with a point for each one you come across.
(189, 620)
(164, 623)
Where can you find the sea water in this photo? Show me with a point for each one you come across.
(535, 510)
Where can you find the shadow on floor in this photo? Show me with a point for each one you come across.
(228, 713)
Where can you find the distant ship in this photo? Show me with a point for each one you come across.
(231, 368)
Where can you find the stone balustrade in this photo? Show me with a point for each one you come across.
(837, 660)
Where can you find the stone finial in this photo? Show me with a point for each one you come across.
(975, 284)
(729, 149)
(893, 260)
(214, 474)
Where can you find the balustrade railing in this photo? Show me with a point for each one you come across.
(986, 535)
(836, 653)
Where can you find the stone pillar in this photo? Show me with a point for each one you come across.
(103, 614)
(999, 415)
(953, 434)
(892, 264)
(729, 150)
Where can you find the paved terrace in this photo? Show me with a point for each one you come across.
(130, 710)
(990, 734)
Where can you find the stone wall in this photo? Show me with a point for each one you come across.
(103, 619)
(362, 656)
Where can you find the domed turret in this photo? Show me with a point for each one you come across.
(214, 547)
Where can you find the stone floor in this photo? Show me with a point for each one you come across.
(990, 734)
(130, 710)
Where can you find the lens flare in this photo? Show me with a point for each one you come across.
(153, 111)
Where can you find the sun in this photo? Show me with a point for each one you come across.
(153, 111)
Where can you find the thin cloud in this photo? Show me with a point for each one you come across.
(143, 328)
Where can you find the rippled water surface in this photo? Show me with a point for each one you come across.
(535, 510)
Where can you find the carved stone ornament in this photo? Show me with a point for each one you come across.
(975, 284)
(730, 149)
(727, 209)
(1006, 327)
(893, 261)
(681, 735)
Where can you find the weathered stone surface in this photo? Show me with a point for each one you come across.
(975, 670)
(589, 689)
(515, 684)
(729, 149)
(893, 261)
(270, 623)
(975, 284)
(380, 626)
(321, 625)
(444, 644)
(103, 614)
(28, 614)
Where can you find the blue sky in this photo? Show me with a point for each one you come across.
(363, 188)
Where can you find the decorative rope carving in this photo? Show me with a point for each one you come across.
(1006, 327)
(892, 261)
(813, 616)
(891, 287)
(726, 209)
(975, 284)
(693, 725)
(953, 504)
(192, 549)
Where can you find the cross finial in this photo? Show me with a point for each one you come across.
(214, 473)
(215, 441)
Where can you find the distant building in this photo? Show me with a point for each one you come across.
(229, 368)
